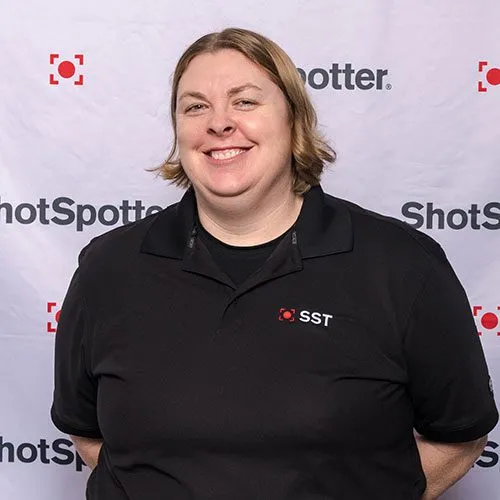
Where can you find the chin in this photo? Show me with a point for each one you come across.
(225, 187)
(227, 191)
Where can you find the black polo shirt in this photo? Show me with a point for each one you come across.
(303, 383)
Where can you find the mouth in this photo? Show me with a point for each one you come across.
(224, 155)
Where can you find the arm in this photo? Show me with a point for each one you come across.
(445, 463)
(88, 449)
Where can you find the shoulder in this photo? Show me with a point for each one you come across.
(388, 237)
(120, 244)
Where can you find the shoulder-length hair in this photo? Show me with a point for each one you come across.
(310, 152)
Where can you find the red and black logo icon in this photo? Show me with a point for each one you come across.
(286, 314)
(66, 69)
(492, 76)
(487, 320)
(54, 311)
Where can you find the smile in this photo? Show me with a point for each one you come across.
(221, 156)
(225, 154)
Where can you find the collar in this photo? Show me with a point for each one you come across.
(323, 227)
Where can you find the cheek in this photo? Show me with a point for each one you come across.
(265, 129)
(189, 134)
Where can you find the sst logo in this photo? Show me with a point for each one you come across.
(66, 69)
(287, 314)
(487, 321)
(489, 76)
(53, 311)
(291, 315)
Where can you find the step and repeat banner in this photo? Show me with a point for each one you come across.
(408, 93)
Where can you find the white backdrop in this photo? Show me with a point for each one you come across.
(84, 111)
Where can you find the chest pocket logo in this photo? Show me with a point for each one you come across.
(291, 315)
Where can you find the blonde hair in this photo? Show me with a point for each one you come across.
(310, 151)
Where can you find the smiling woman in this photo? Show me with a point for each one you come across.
(269, 64)
(245, 135)
(234, 139)
(261, 339)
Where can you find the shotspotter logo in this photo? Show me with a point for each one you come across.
(430, 216)
(64, 211)
(489, 457)
(345, 77)
(59, 452)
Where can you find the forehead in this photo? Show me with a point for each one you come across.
(221, 70)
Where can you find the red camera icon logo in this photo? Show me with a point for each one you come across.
(286, 314)
(54, 311)
(487, 321)
(492, 76)
(66, 69)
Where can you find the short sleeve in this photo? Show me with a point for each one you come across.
(449, 382)
(75, 390)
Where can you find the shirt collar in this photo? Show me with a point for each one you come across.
(323, 227)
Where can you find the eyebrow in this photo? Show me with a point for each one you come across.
(230, 93)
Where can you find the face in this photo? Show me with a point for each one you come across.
(233, 128)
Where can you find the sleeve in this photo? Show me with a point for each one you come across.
(449, 384)
(75, 389)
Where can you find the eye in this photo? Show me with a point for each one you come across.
(246, 103)
(195, 107)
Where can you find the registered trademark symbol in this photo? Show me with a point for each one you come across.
(388, 86)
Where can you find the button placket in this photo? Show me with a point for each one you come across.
(231, 303)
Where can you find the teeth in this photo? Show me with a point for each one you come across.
(227, 153)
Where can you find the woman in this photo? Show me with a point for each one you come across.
(261, 339)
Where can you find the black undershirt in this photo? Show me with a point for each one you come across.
(238, 262)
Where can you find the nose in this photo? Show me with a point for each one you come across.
(220, 123)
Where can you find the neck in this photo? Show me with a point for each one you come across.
(246, 222)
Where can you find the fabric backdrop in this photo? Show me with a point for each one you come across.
(408, 92)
